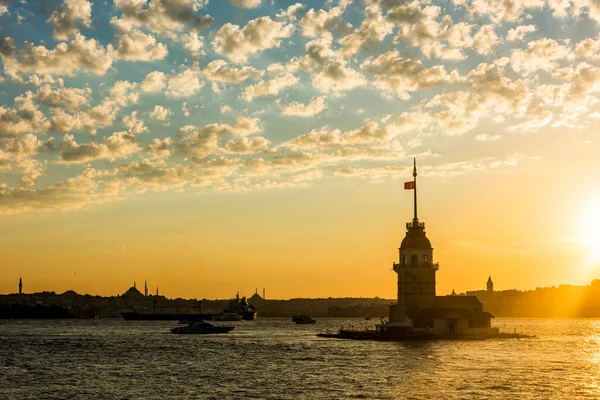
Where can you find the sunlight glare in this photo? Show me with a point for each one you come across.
(591, 231)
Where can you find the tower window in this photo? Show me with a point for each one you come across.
(426, 258)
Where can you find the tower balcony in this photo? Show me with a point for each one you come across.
(398, 266)
(414, 224)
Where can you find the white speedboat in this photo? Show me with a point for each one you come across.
(227, 317)
(202, 328)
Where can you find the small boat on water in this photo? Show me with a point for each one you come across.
(227, 317)
(201, 328)
(396, 331)
(303, 320)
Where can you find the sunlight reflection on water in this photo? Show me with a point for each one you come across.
(276, 359)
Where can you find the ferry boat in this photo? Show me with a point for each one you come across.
(396, 331)
(240, 306)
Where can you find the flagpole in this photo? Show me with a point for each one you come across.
(415, 219)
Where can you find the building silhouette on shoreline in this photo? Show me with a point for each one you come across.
(563, 301)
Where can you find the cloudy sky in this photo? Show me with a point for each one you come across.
(215, 146)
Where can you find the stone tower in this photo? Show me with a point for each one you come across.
(146, 288)
(490, 285)
(415, 267)
(20, 285)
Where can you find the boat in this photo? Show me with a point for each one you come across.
(201, 328)
(241, 307)
(396, 331)
(303, 320)
(229, 316)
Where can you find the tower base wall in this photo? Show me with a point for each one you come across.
(397, 313)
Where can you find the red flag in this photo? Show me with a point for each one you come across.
(409, 185)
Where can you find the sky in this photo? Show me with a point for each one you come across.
(210, 147)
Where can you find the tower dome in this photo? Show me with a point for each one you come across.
(415, 237)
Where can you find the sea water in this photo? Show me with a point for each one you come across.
(277, 359)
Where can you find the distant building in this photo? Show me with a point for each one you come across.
(146, 288)
(490, 285)
(132, 294)
(20, 285)
(255, 299)
(417, 300)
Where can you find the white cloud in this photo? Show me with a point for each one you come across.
(400, 76)
(184, 84)
(161, 113)
(499, 11)
(64, 20)
(72, 193)
(245, 3)
(161, 16)
(202, 141)
(588, 48)
(220, 71)
(322, 22)
(154, 82)
(373, 29)
(258, 35)
(138, 46)
(245, 145)
(160, 148)
(291, 12)
(270, 87)
(80, 54)
(419, 26)
(25, 145)
(336, 76)
(192, 42)
(68, 98)
(133, 124)
(486, 40)
(540, 54)
(518, 33)
(118, 145)
(124, 93)
(315, 106)
(24, 117)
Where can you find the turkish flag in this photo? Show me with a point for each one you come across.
(409, 185)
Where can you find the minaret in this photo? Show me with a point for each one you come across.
(157, 290)
(146, 288)
(490, 285)
(415, 269)
(264, 293)
(134, 285)
(20, 285)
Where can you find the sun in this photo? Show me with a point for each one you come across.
(591, 231)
